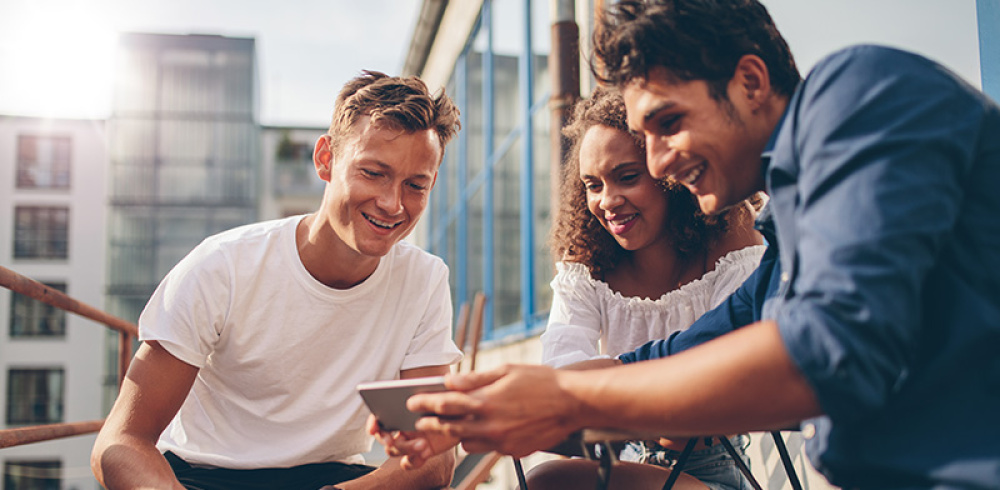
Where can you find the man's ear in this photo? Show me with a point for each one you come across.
(323, 157)
(751, 81)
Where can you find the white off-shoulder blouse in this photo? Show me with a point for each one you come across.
(589, 320)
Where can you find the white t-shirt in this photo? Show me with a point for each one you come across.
(590, 320)
(280, 354)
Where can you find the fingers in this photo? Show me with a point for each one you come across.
(372, 426)
(474, 380)
(414, 452)
(448, 404)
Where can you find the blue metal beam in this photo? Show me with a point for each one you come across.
(461, 264)
(526, 76)
(988, 16)
(488, 131)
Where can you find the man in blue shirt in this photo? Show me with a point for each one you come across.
(875, 314)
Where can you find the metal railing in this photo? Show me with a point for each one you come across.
(126, 333)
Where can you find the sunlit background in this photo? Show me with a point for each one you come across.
(57, 56)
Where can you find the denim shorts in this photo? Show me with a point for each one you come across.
(712, 465)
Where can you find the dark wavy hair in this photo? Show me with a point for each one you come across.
(578, 236)
(399, 103)
(692, 39)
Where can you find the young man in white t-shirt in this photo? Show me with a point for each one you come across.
(253, 344)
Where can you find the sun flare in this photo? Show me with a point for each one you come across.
(57, 58)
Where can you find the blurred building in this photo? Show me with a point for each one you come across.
(290, 184)
(489, 213)
(184, 154)
(52, 213)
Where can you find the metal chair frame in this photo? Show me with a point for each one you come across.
(606, 460)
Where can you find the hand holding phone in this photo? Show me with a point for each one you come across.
(387, 400)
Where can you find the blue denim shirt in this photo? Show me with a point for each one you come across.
(883, 271)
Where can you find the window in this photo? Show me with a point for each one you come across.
(32, 475)
(34, 396)
(43, 162)
(41, 232)
(489, 217)
(32, 318)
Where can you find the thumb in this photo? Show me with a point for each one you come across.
(472, 381)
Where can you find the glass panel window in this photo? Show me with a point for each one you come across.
(43, 162)
(34, 396)
(32, 318)
(41, 232)
(32, 475)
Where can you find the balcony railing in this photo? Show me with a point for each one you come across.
(126, 333)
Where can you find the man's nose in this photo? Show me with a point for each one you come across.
(659, 156)
(391, 200)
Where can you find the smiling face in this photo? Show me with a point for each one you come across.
(626, 200)
(378, 184)
(711, 147)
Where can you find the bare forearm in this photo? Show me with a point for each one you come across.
(131, 464)
(435, 473)
(593, 364)
(125, 454)
(742, 381)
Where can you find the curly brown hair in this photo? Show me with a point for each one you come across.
(578, 236)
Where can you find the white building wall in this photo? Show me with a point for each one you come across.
(81, 352)
(289, 183)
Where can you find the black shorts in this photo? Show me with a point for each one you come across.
(305, 477)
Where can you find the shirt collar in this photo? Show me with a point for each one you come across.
(765, 157)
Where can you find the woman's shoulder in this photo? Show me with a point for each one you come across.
(573, 270)
(741, 256)
(740, 235)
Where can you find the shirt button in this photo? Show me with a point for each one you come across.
(809, 431)
(784, 277)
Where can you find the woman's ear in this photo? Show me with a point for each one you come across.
(323, 157)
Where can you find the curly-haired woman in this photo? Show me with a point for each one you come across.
(639, 261)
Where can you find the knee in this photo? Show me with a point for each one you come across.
(556, 475)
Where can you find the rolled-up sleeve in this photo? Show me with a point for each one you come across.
(880, 150)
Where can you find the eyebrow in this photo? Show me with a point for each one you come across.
(653, 112)
(385, 167)
(616, 168)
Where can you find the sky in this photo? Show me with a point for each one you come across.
(56, 56)
(943, 30)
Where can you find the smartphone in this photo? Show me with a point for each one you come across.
(387, 399)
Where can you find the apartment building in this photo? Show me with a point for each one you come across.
(52, 213)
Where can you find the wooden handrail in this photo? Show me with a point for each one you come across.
(126, 333)
(39, 433)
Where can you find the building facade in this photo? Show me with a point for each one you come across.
(489, 213)
(289, 184)
(184, 154)
(52, 211)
